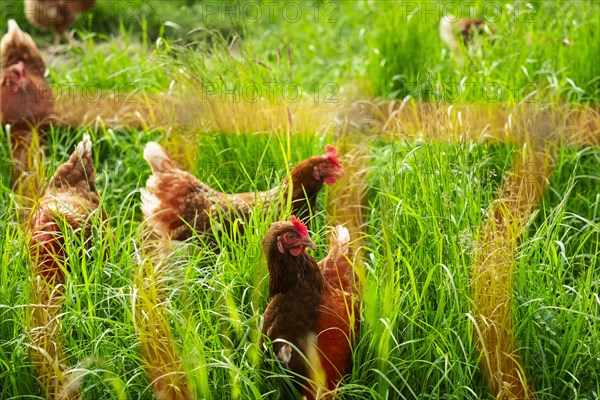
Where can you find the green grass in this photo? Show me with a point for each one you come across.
(426, 202)
(335, 49)
(526, 61)
(275, 52)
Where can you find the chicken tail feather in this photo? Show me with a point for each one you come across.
(158, 158)
(336, 267)
(14, 33)
(341, 237)
(16, 38)
(78, 172)
(166, 197)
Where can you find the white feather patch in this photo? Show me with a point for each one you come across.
(13, 27)
(151, 182)
(343, 236)
(84, 147)
(285, 354)
(150, 203)
(448, 31)
(156, 156)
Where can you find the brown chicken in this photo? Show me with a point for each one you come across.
(311, 306)
(174, 199)
(452, 28)
(26, 98)
(71, 197)
(56, 14)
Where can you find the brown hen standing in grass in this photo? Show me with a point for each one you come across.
(26, 98)
(311, 306)
(174, 199)
(56, 14)
(71, 196)
(70, 199)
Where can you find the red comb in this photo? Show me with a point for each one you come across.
(300, 227)
(331, 153)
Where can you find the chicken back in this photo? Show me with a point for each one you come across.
(70, 198)
(311, 308)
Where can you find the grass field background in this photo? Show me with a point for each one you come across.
(425, 200)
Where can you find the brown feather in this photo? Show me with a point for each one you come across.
(71, 196)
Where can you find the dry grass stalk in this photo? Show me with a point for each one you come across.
(194, 112)
(494, 261)
(347, 200)
(28, 173)
(158, 348)
(484, 122)
(46, 349)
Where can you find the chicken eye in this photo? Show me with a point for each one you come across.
(291, 236)
(325, 167)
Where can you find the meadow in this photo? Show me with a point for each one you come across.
(239, 100)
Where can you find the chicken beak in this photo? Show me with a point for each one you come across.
(309, 243)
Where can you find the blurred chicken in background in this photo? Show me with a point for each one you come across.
(455, 30)
(27, 104)
(56, 14)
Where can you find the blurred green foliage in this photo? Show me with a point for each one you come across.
(154, 18)
(540, 51)
(544, 50)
